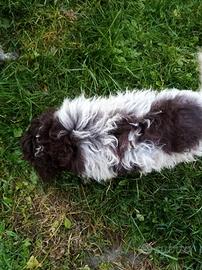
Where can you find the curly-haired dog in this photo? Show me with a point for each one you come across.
(101, 138)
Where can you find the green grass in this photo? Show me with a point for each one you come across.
(99, 47)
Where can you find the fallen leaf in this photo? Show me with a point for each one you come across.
(33, 263)
(67, 223)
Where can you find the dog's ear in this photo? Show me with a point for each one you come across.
(63, 147)
(65, 150)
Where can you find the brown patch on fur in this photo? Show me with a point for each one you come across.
(176, 124)
(124, 127)
(50, 148)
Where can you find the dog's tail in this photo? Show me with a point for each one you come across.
(200, 70)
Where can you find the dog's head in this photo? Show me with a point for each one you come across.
(50, 148)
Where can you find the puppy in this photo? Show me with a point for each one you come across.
(101, 138)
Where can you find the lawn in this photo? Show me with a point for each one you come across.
(66, 48)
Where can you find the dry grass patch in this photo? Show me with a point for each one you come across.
(60, 231)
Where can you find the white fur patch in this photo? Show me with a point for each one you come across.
(151, 158)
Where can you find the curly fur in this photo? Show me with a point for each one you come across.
(176, 124)
(50, 148)
(101, 138)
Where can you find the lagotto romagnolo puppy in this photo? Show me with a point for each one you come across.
(101, 138)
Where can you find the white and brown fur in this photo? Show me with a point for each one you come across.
(101, 138)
